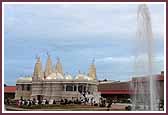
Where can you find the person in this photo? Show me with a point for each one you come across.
(25, 102)
(37, 102)
(30, 102)
(44, 101)
(34, 101)
(85, 100)
(20, 102)
(8, 102)
(108, 106)
(54, 102)
(17, 103)
(65, 101)
(47, 102)
(21, 98)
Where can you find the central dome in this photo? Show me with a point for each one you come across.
(81, 77)
(55, 76)
(68, 77)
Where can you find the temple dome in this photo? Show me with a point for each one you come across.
(88, 78)
(25, 79)
(81, 77)
(51, 76)
(55, 76)
(68, 77)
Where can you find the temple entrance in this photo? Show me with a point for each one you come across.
(69, 88)
(80, 88)
(39, 97)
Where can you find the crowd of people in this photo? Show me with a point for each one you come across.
(30, 102)
(82, 100)
(86, 99)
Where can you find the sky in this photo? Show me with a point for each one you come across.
(77, 34)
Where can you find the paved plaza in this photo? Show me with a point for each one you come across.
(114, 107)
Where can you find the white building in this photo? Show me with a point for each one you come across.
(54, 84)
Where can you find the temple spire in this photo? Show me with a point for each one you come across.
(59, 66)
(93, 61)
(92, 70)
(48, 68)
(38, 69)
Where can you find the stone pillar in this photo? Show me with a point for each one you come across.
(73, 88)
(64, 87)
(77, 87)
(82, 88)
(87, 88)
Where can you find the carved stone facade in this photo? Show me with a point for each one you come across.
(53, 84)
(61, 89)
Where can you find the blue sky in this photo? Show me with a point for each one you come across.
(76, 34)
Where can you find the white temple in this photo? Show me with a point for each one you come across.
(52, 83)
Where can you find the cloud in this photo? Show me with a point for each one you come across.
(114, 59)
(77, 20)
(128, 59)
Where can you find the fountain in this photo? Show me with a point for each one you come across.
(144, 95)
